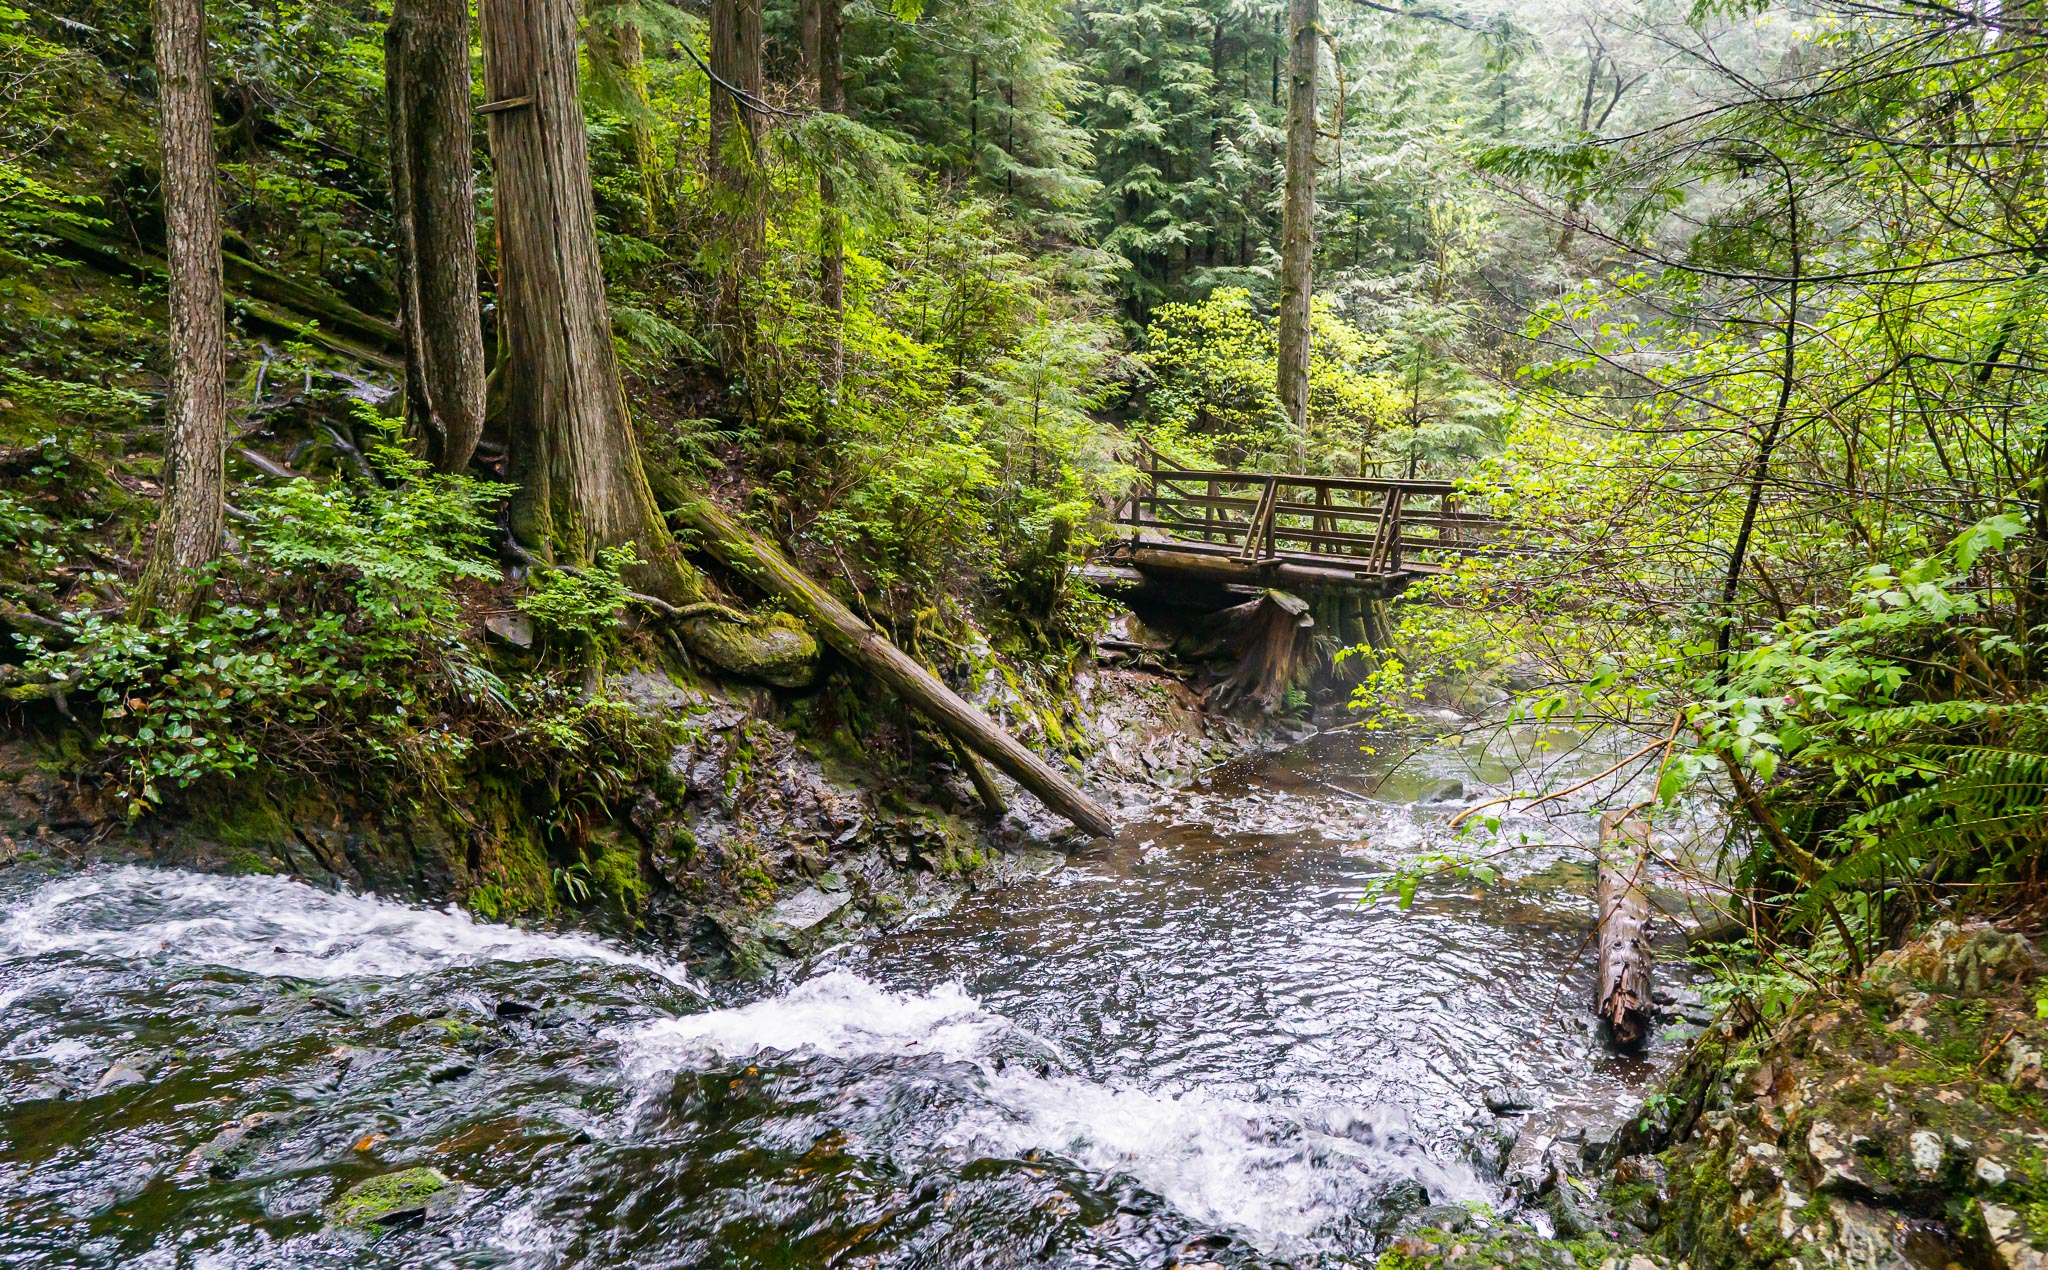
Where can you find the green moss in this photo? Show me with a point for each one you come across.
(488, 902)
(382, 1198)
(514, 874)
(246, 825)
(251, 862)
(756, 888)
(615, 874)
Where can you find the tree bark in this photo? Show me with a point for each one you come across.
(735, 141)
(823, 26)
(192, 517)
(1623, 1000)
(1298, 217)
(433, 200)
(572, 448)
(766, 567)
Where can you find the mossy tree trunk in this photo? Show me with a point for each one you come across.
(823, 28)
(1298, 217)
(433, 200)
(192, 518)
(613, 39)
(735, 159)
(573, 452)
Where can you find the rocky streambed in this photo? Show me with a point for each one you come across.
(1188, 1046)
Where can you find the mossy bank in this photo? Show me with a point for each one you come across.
(1898, 1122)
(755, 825)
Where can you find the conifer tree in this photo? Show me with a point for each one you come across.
(192, 517)
(573, 452)
(433, 202)
(1298, 216)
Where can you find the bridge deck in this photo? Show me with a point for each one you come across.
(1316, 532)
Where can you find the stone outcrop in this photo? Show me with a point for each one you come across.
(1898, 1122)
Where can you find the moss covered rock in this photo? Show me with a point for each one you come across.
(776, 650)
(1901, 1119)
(393, 1197)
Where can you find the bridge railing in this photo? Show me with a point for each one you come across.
(1360, 523)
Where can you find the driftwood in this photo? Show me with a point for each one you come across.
(762, 564)
(1623, 1000)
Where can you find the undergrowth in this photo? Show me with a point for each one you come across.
(336, 647)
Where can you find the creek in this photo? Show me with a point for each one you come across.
(1192, 1045)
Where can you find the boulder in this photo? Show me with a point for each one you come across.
(393, 1199)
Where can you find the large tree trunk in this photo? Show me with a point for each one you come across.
(433, 201)
(766, 567)
(1623, 995)
(191, 520)
(736, 168)
(1298, 218)
(823, 25)
(573, 452)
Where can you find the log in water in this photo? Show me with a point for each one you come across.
(1623, 1000)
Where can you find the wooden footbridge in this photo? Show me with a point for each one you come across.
(1297, 533)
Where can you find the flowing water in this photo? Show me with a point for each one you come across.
(1191, 1046)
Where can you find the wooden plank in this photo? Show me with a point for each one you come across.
(1339, 511)
(1370, 484)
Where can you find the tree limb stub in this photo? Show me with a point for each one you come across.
(765, 566)
(1623, 1000)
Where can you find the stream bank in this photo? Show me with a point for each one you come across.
(772, 822)
(1188, 1046)
(1897, 1122)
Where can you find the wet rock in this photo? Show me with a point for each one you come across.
(1451, 791)
(794, 918)
(394, 1198)
(1042, 861)
(1405, 1197)
(1674, 995)
(224, 1154)
(1599, 1140)
(1489, 1147)
(1509, 1100)
(1448, 1218)
(1636, 1191)
(124, 1074)
(514, 630)
(2011, 1241)
(1566, 1206)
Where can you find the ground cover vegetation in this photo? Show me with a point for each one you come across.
(1734, 309)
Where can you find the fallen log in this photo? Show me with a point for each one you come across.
(764, 565)
(985, 787)
(1623, 996)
